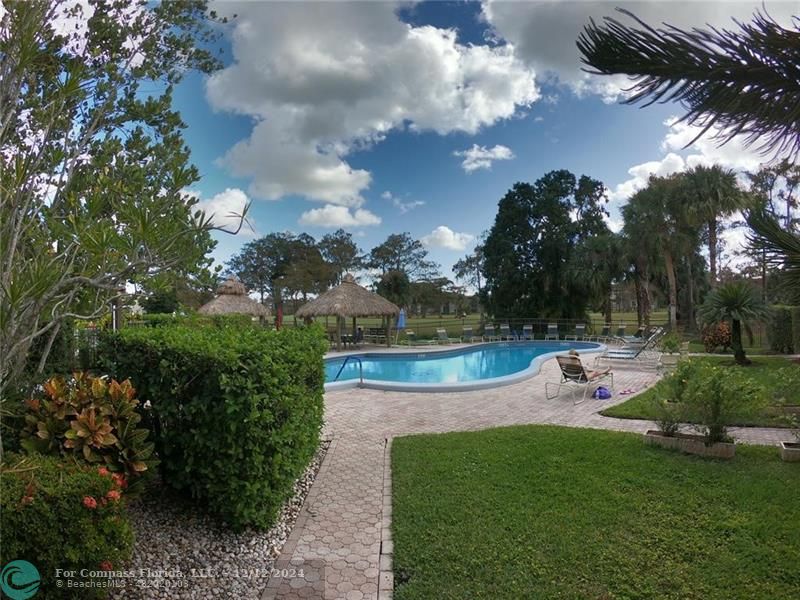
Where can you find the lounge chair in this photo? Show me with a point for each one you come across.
(620, 331)
(573, 372)
(527, 332)
(645, 354)
(505, 332)
(468, 337)
(412, 340)
(580, 333)
(489, 333)
(552, 332)
(641, 336)
(441, 337)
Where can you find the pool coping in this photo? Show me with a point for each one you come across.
(463, 386)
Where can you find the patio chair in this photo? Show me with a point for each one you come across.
(620, 331)
(580, 333)
(505, 332)
(441, 337)
(605, 333)
(573, 372)
(527, 332)
(468, 337)
(552, 331)
(489, 333)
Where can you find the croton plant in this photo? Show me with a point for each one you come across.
(92, 419)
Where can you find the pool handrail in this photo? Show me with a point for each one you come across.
(360, 368)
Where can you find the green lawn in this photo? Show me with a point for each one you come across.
(762, 369)
(551, 512)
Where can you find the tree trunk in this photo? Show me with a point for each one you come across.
(690, 322)
(736, 343)
(47, 347)
(712, 251)
(669, 264)
(637, 286)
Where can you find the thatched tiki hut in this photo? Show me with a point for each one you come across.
(350, 300)
(232, 299)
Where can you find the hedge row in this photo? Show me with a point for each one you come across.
(780, 329)
(236, 412)
(60, 515)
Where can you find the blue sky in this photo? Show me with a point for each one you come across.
(368, 115)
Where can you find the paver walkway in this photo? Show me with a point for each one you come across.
(342, 536)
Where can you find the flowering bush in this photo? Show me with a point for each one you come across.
(61, 515)
(92, 420)
(716, 335)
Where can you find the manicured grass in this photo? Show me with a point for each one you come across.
(550, 512)
(762, 369)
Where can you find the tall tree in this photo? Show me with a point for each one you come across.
(395, 286)
(92, 161)
(744, 82)
(529, 248)
(713, 194)
(307, 271)
(341, 252)
(401, 252)
(469, 269)
(262, 264)
(657, 216)
(599, 261)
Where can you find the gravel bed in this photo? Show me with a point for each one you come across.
(198, 556)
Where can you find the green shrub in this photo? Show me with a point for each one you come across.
(236, 411)
(196, 320)
(716, 397)
(671, 343)
(716, 335)
(59, 515)
(92, 420)
(779, 329)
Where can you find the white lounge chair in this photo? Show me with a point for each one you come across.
(573, 372)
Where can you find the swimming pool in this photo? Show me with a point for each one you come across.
(472, 367)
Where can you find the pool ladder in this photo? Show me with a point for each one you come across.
(360, 368)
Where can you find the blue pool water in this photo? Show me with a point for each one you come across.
(485, 361)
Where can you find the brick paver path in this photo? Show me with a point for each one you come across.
(346, 518)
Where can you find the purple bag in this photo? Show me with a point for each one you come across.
(602, 393)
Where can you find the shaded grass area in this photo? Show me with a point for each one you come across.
(762, 371)
(552, 512)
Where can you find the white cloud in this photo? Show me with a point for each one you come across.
(444, 237)
(544, 32)
(400, 204)
(225, 210)
(322, 83)
(338, 216)
(704, 151)
(481, 157)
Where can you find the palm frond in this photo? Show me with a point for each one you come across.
(782, 247)
(744, 82)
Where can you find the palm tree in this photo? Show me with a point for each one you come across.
(781, 248)
(740, 82)
(714, 194)
(737, 302)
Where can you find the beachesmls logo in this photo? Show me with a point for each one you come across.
(20, 580)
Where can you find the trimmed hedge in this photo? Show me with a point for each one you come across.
(796, 328)
(236, 412)
(780, 329)
(59, 515)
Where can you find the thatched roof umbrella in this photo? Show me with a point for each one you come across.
(349, 299)
(231, 299)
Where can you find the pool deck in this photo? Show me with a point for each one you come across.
(342, 538)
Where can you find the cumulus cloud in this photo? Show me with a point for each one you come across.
(703, 151)
(444, 237)
(543, 32)
(401, 205)
(481, 157)
(334, 216)
(225, 209)
(322, 83)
